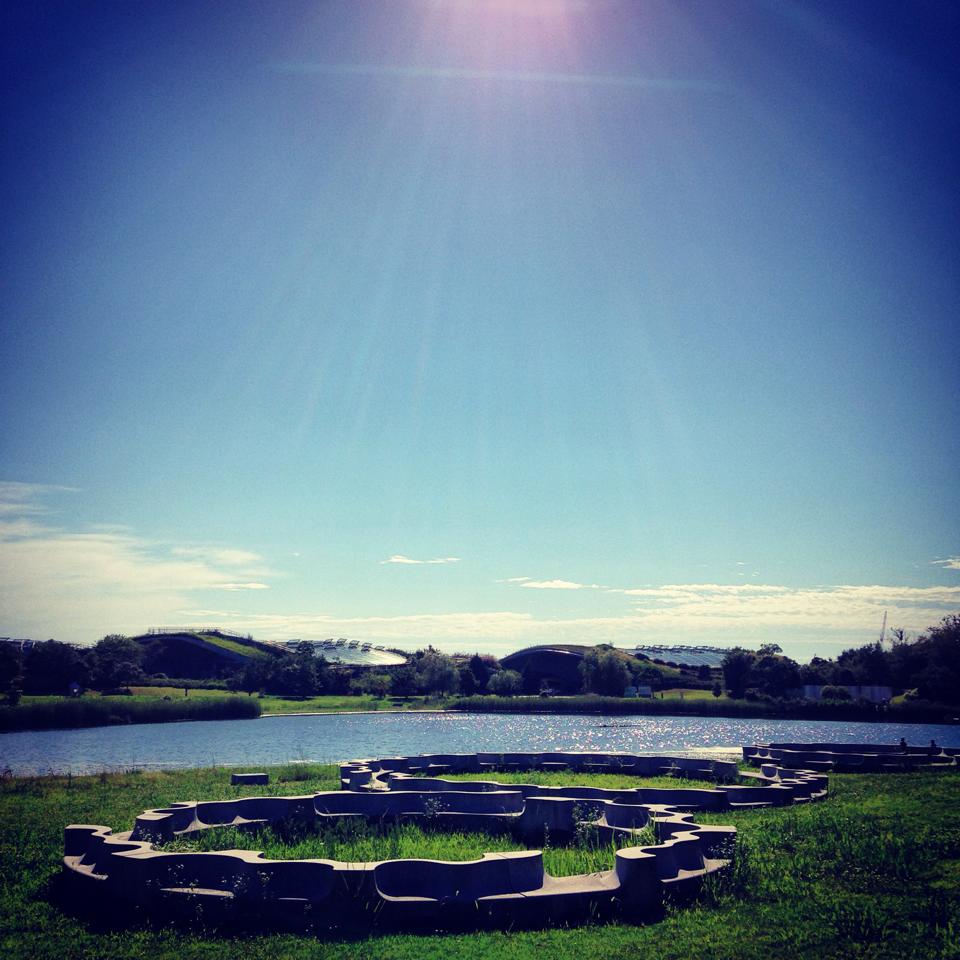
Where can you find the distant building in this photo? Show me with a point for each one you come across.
(351, 653)
(683, 656)
(555, 668)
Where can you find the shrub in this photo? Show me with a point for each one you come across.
(89, 712)
(505, 683)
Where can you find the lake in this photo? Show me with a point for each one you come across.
(331, 738)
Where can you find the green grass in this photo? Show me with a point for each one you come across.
(241, 648)
(689, 693)
(332, 704)
(351, 842)
(560, 778)
(872, 873)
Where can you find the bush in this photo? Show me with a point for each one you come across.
(90, 712)
(505, 683)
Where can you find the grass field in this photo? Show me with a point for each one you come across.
(610, 781)
(270, 704)
(351, 842)
(873, 872)
(690, 693)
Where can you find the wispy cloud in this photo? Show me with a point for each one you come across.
(26, 499)
(400, 558)
(554, 585)
(949, 563)
(741, 612)
(821, 620)
(219, 555)
(98, 579)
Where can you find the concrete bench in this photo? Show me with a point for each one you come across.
(244, 779)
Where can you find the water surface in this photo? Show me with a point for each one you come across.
(338, 737)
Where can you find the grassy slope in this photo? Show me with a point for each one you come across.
(240, 648)
(873, 872)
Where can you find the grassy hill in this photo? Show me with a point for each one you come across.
(201, 654)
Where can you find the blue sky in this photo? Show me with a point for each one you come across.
(629, 322)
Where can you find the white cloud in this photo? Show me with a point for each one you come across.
(400, 558)
(821, 618)
(554, 585)
(80, 584)
(219, 555)
(950, 563)
(805, 621)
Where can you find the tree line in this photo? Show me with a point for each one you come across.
(925, 668)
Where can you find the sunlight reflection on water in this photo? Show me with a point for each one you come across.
(347, 736)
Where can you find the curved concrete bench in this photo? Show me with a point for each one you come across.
(398, 774)
(637, 765)
(851, 757)
(498, 890)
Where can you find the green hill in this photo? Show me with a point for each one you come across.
(200, 655)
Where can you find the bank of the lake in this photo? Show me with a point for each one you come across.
(167, 704)
(59, 713)
(869, 873)
(164, 704)
(700, 706)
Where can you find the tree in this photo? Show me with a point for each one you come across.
(115, 662)
(253, 676)
(818, 671)
(505, 683)
(717, 689)
(604, 672)
(646, 676)
(438, 673)
(375, 684)
(50, 667)
(703, 672)
(294, 674)
(468, 682)
(774, 675)
(736, 668)
(11, 665)
(404, 681)
(939, 678)
(868, 664)
(482, 667)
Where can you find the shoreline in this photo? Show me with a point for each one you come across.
(351, 713)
